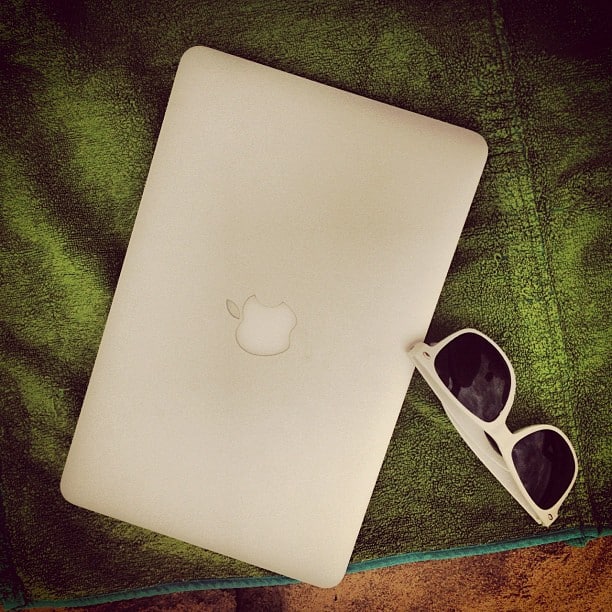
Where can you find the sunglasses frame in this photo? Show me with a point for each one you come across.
(472, 428)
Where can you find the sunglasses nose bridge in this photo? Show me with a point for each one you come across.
(498, 434)
(499, 428)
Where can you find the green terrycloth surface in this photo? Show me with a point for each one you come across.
(83, 91)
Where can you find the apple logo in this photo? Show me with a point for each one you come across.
(263, 330)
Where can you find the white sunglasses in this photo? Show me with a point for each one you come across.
(475, 382)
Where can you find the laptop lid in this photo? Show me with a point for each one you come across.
(291, 244)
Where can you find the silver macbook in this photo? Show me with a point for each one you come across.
(291, 244)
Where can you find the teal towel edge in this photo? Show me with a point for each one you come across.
(576, 537)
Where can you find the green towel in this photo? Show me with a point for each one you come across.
(83, 91)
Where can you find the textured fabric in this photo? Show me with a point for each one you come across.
(83, 91)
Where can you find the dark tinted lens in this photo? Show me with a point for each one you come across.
(476, 374)
(545, 465)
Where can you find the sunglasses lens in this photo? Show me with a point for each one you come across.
(475, 372)
(545, 464)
